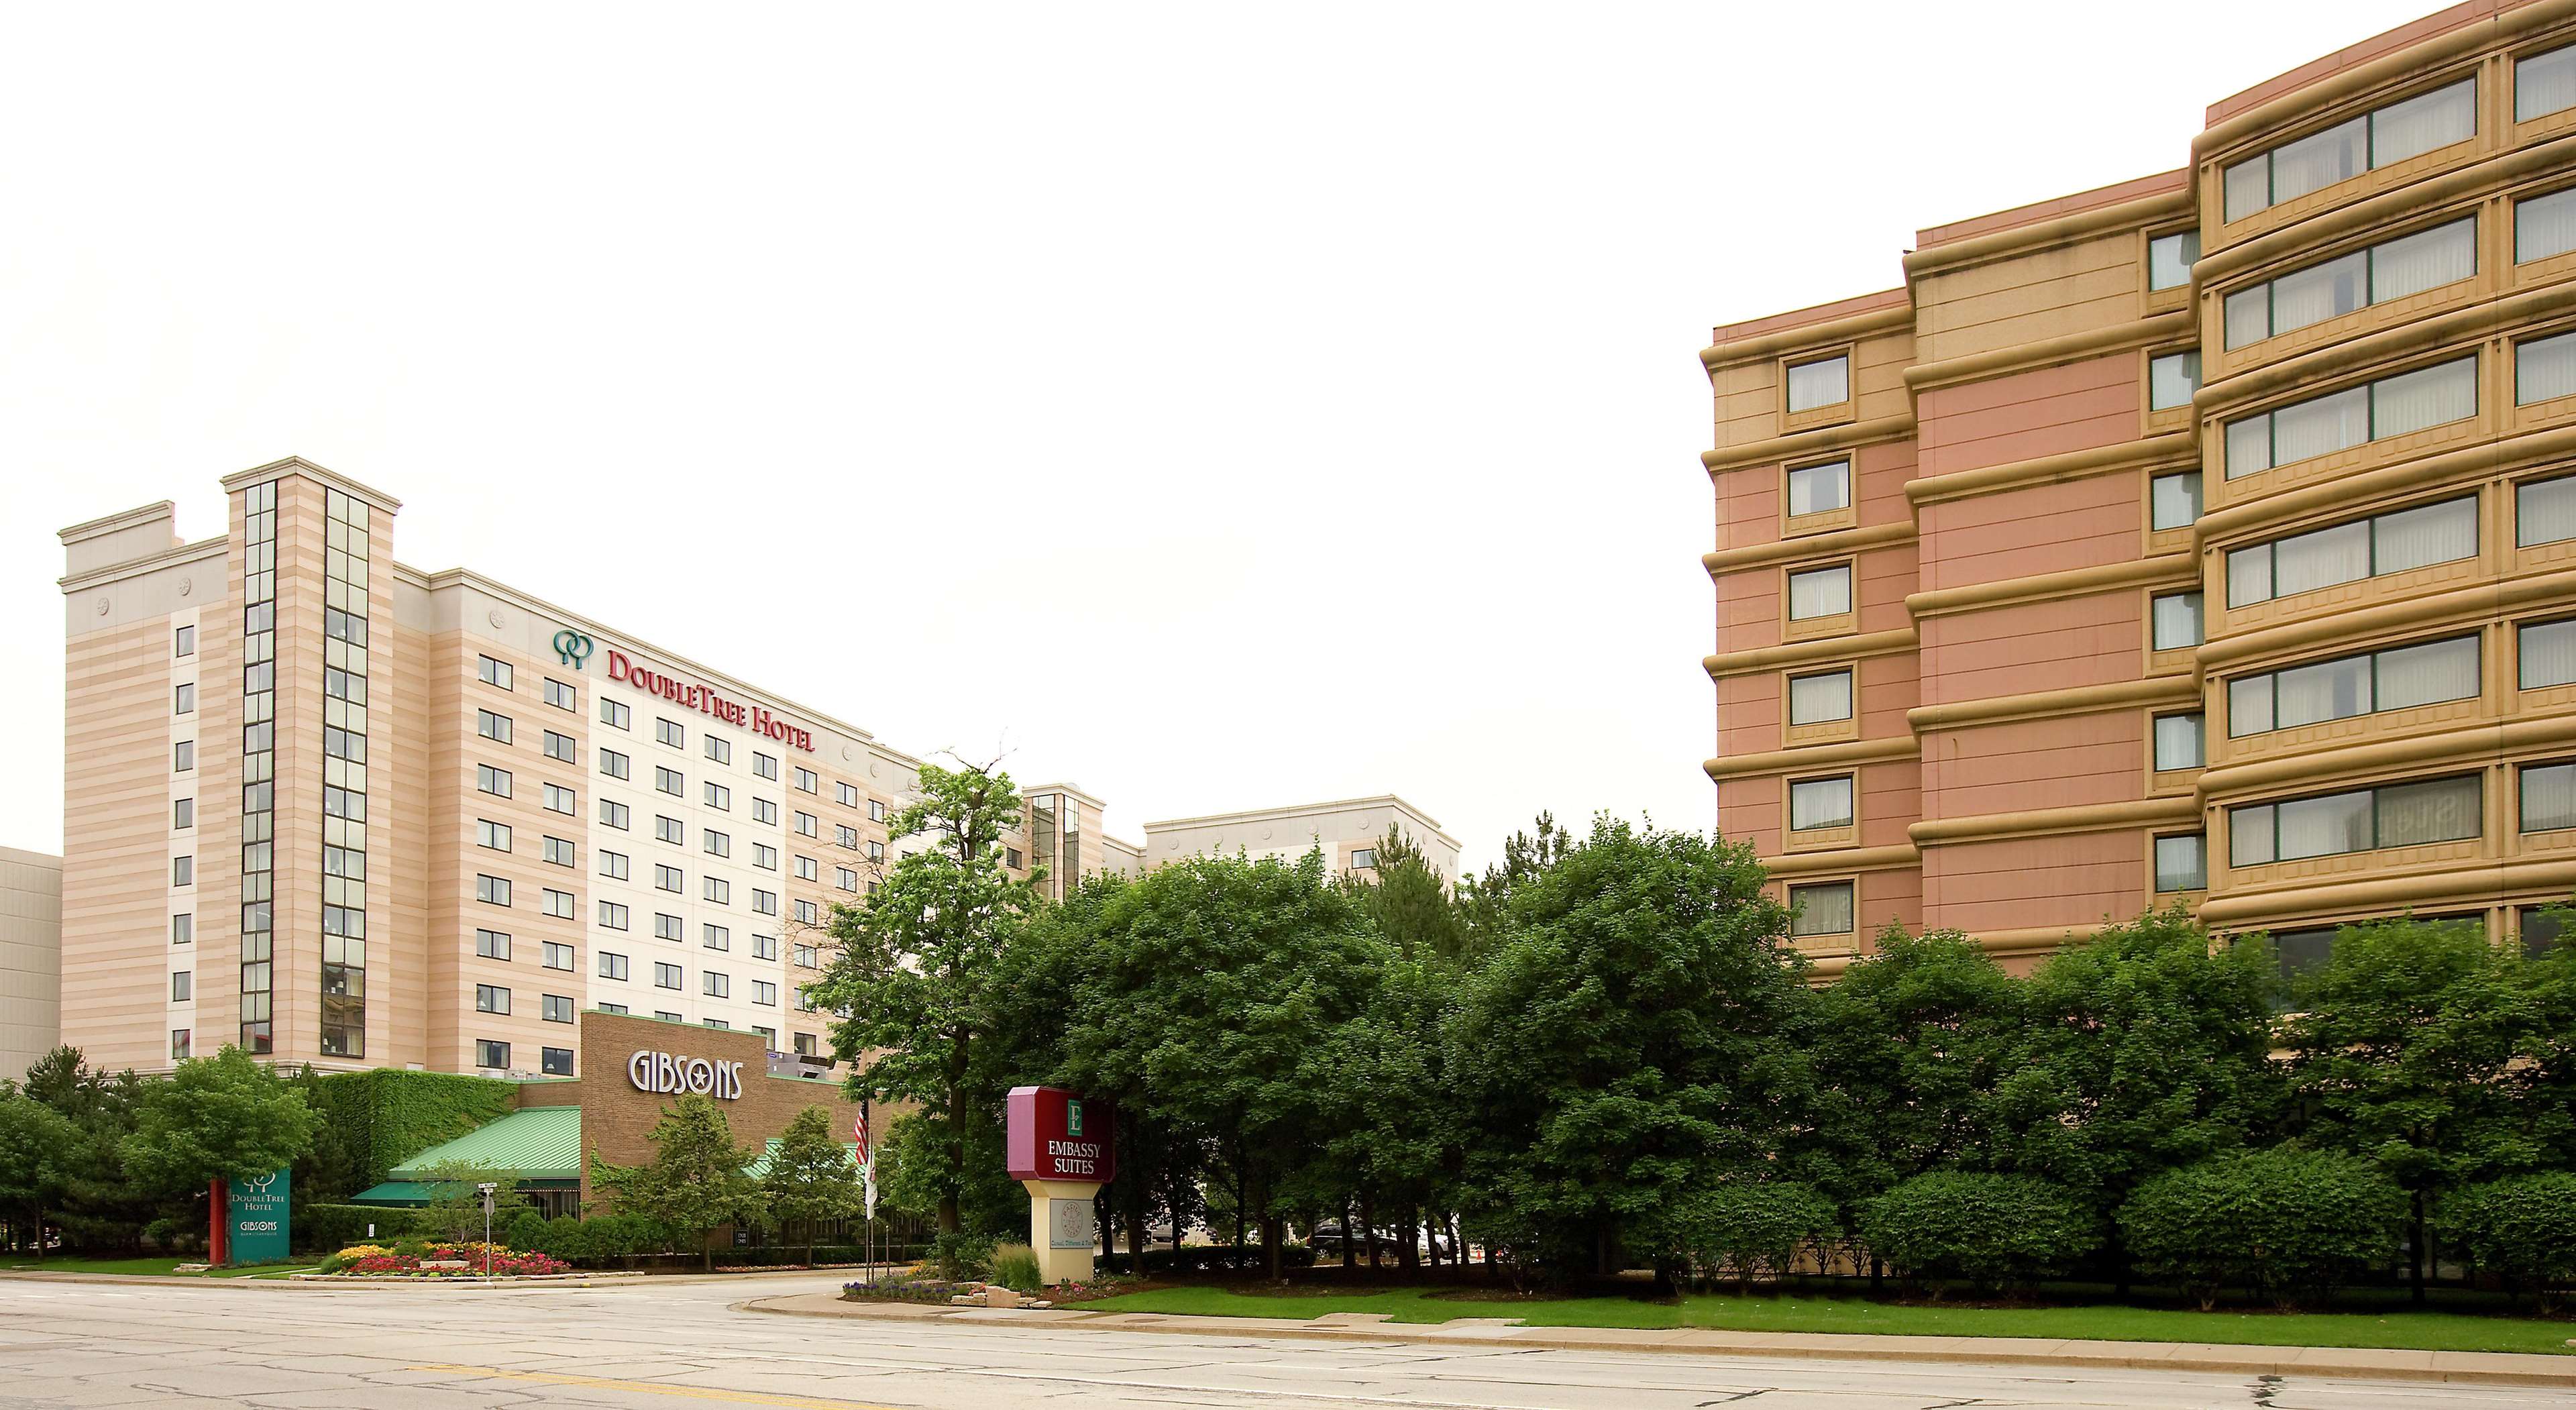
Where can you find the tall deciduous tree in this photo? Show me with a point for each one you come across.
(219, 1118)
(810, 1177)
(695, 1183)
(915, 968)
(40, 1149)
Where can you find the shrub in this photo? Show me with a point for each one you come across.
(1988, 1229)
(2280, 1221)
(525, 1228)
(2523, 1227)
(961, 1255)
(1015, 1266)
(325, 1226)
(1753, 1229)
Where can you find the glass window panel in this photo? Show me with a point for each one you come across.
(1822, 910)
(1820, 802)
(2177, 621)
(2549, 797)
(2170, 257)
(2544, 370)
(2178, 742)
(2249, 575)
(2306, 562)
(2544, 84)
(2324, 827)
(2425, 124)
(2339, 153)
(1820, 592)
(2182, 863)
(2544, 225)
(2249, 705)
(1820, 698)
(2432, 396)
(2327, 690)
(2327, 424)
(1815, 384)
(2249, 835)
(2249, 315)
(2548, 653)
(2172, 379)
(2426, 674)
(2428, 259)
(2442, 810)
(2544, 511)
(2174, 500)
(1817, 489)
(2314, 295)
(2249, 445)
(2434, 533)
(2249, 187)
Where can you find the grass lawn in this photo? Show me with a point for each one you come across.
(2429, 1331)
(150, 1268)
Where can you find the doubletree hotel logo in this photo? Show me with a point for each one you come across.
(572, 647)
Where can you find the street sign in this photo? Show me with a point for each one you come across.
(258, 1218)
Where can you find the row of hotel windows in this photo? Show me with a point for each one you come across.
(493, 1054)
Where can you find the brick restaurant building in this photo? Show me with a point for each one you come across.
(2205, 539)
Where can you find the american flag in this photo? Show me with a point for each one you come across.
(867, 1160)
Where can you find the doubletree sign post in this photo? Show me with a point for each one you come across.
(255, 1219)
(1059, 1146)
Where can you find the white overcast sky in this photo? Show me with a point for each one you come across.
(1215, 408)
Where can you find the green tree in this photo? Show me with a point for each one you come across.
(220, 1118)
(1387, 1123)
(1412, 905)
(455, 1208)
(103, 1207)
(1636, 1036)
(694, 1184)
(916, 964)
(2403, 1047)
(2279, 1220)
(810, 1178)
(1484, 901)
(40, 1149)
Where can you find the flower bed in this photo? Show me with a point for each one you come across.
(931, 1290)
(442, 1261)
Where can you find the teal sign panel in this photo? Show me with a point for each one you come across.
(259, 1219)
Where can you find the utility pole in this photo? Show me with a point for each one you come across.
(487, 1187)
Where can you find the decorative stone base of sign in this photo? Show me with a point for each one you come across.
(1063, 1231)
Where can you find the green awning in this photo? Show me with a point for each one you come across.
(760, 1163)
(408, 1193)
(540, 1142)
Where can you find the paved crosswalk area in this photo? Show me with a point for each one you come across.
(673, 1344)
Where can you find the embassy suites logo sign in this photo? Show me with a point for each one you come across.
(706, 701)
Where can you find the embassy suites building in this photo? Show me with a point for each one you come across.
(341, 811)
(2205, 539)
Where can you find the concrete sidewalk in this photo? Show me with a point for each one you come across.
(2468, 1367)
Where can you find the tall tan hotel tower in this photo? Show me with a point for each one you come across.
(2207, 538)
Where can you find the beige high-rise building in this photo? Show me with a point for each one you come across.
(2203, 539)
(31, 958)
(1347, 831)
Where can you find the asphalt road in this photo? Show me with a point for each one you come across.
(660, 1345)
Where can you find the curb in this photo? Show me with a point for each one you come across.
(2452, 1367)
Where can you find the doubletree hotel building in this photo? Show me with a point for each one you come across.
(345, 812)
(2208, 538)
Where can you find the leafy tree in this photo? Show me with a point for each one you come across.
(914, 1173)
(1986, 1228)
(916, 964)
(1485, 901)
(810, 1177)
(1388, 1123)
(1757, 1228)
(2404, 1044)
(694, 1184)
(2282, 1220)
(219, 1118)
(39, 1150)
(1635, 1037)
(2523, 1227)
(102, 1206)
(455, 1208)
(1412, 906)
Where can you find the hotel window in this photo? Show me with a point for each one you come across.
(615, 715)
(808, 957)
(613, 814)
(764, 993)
(848, 794)
(555, 954)
(667, 927)
(808, 1045)
(555, 1008)
(717, 889)
(1364, 859)
(178, 1044)
(809, 825)
(2544, 511)
(561, 903)
(666, 976)
(612, 1008)
(1820, 698)
(560, 746)
(670, 733)
(715, 1023)
(764, 902)
(559, 851)
(2393, 269)
(2182, 862)
(2544, 226)
(2548, 797)
(2548, 654)
(764, 765)
(764, 810)
(2544, 84)
(2171, 379)
(488, 779)
(807, 913)
(492, 889)
(845, 878)
(807, 781)
(183, 871)
(2540, 932)
(715, 937)
(764, 947)
(491, 945)
(559, 799)
(719, 796)
(849, 836)
(2173, 501)
(184, 698)
(2544, 369)
(2344, 553)
(183, 813)
(768, 1036)
(613, 864)
(670, 830)
(184, 642)
(2426, 123)
(720, 749)
(182, 986)
(669, 781)
(2346, 686)
(2175, 621)
(614, 764)
(491, 834)
(612, 916)
(668, 879)
(1010, 858)
(2363, 820)
(876, 851)
(491, 998)
(715, 984)
(183, 928)
(807, 869)
(491, 1054)
(555, 1062)
(491, 726)
(1824, 382)
(764, 856)
(561, 695)
(667, 1016)
(1826, 908)
(876, 810)
(2170, 258)
(611, 965)
(1820, 802)
(183, 756)
(804, 999)
(493, 672)
(718, 844)
(1820, 592)
(2178, 742)
(1820, 489)
(2391, 406)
